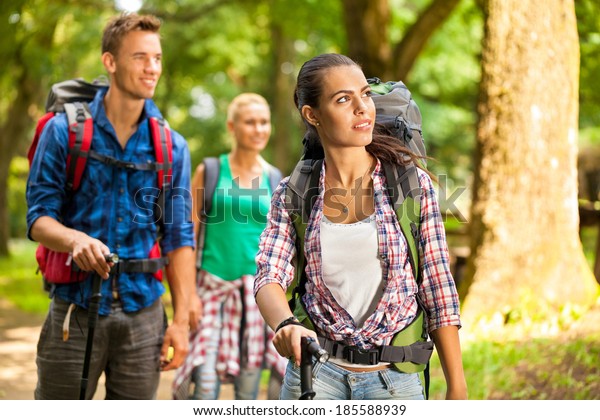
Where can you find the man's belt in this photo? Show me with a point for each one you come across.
(419, 352)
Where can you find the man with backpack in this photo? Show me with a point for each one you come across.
(116, 208)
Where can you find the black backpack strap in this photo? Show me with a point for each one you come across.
(301, 193)
(303, 188)
(138, 166)
(404, 190)
(418, 352)
(212, 167)
(142, 265)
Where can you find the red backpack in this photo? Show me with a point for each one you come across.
(72, 97)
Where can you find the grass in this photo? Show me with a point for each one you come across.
(540, 369)
(551, 368)
(19, 281)
(589, 236)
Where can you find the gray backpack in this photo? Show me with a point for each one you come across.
(398, 113)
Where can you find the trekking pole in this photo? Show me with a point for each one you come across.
(93, 310)
(310, 347)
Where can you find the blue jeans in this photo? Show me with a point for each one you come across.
(332, 382)
(207, 384)
(126, 349)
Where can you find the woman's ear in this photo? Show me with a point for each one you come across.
(309, 114)
(230, 127)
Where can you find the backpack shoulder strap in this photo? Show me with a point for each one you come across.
(404, 190)
(212, 168)
(300, 195)
(81, 128)
(163, 150)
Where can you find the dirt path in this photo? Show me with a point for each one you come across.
(19, 334)
(18, 337)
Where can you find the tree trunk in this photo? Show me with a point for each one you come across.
(11, 143)
(367, 23)
(282, 94)
(527, 258)
(408, 49)
(13, 140)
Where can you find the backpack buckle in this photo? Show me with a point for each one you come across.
(364, 357)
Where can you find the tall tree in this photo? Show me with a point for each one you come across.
(526, 255)
(367, 25)
(23, 58)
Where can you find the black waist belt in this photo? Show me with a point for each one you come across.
(419, 352)
(143, 265)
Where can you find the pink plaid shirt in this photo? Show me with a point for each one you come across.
(258, 337)
(398, 305)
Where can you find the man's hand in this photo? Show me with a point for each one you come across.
(87, 252)
(195, 312)
(89, 255)
(176, 337)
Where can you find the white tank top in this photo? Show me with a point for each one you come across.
(351, 267)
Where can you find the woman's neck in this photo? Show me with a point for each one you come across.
(246, 168)
(343, 169)
(245, 160)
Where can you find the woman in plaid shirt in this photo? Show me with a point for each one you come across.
(232, 343)
(360, 288)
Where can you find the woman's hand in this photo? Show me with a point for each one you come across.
(287, 341)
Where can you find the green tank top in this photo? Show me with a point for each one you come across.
(233, 227)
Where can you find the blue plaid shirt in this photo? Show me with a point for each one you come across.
(113, 204)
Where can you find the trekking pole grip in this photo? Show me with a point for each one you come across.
(310, 347)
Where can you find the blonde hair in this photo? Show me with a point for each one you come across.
(243, 100)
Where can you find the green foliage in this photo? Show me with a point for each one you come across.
(216, 49)
(589, 236)
(444, 82)
(537, 369)
(19, 281)
(588, 22)
(227, 50)
(17, 179)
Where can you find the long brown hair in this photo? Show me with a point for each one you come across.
(309, 88)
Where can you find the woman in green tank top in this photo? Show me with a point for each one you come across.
(233, 343)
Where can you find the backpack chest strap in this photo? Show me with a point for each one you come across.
(139, 166)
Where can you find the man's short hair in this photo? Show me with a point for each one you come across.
(119, 26)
